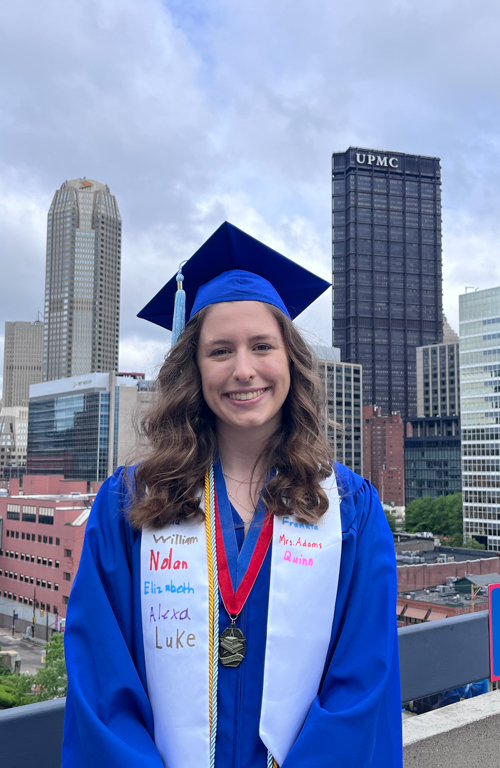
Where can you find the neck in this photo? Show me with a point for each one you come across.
(239, 450)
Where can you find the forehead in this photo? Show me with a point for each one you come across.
(238, 317)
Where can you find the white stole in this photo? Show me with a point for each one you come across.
(174, 604)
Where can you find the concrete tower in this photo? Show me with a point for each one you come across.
(82, 281)
(22, 362)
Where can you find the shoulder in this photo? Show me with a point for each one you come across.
(358, 498)
(108, 517)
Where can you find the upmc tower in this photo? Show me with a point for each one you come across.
(387, 292)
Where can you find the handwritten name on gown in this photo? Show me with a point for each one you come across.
(354, 722)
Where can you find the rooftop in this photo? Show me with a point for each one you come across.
(444, 595)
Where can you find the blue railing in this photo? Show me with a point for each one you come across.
(435, 656)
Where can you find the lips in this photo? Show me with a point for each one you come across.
(246, 395)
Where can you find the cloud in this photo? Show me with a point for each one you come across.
(198, 112)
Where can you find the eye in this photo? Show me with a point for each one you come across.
(263, 347)
(219, 352)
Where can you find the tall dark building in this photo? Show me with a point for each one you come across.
(387, 284)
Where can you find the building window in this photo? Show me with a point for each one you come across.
(46, 517)
(65, 599)
(57, 563)
(58, 541)
(29, 514)
(67, 577)
(13, 511)
(56, 587)
(67, 553)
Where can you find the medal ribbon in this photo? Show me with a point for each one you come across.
(234, 601)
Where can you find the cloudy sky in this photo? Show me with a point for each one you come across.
(195, 112)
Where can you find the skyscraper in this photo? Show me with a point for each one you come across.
(343, 384)
(432, 439)
(387, 285)
(438, 376)
(82, 281)
(479, 315)
(22, 361)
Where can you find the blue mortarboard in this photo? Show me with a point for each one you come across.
(233, 266)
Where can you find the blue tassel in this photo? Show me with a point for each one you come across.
(179, 307)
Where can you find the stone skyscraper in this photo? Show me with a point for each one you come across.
(82, 281)
(22, 362)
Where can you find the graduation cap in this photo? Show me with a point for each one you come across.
(232, 266)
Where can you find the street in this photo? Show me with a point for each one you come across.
(31, 654)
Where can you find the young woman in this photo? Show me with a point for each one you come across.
(235, 602)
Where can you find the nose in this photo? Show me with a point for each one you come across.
(243, 368)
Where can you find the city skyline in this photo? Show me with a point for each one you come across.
(189, 129)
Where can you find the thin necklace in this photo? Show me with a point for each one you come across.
(241, 482)
(250, 511)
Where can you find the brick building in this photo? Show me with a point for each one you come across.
(41, 538)
(412, 578)
(383, 453)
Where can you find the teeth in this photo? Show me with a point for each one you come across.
(246, 395)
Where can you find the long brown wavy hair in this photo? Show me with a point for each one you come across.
(181, 432)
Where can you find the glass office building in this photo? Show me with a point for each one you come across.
(82, 427)
(387, 284)
(479, 314)
(432, 457)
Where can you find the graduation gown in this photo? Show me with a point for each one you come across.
(354, 721)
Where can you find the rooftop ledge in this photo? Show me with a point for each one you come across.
(458, 736)
(435, 656)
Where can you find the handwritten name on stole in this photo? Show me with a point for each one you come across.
(304, 571)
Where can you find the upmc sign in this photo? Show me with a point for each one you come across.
(384, 160)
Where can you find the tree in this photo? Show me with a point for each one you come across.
(442, 516)
(49, 682)
(390, 519)
(473, 544)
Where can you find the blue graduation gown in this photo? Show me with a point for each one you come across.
(354, 722)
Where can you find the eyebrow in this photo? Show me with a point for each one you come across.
(257, 337)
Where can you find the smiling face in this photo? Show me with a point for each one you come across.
(244, 366)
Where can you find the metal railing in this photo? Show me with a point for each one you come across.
(435, 656)
(439, 655)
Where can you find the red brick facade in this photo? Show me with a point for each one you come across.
(383, 453)
(414, 577)
(41, 540)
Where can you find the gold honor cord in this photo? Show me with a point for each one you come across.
(213, 613)
(213, 609)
